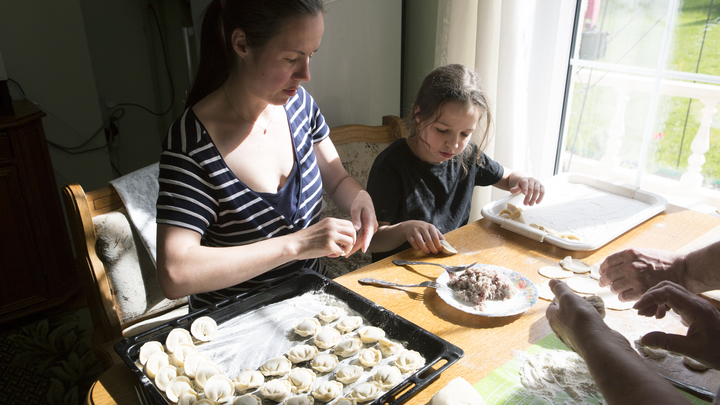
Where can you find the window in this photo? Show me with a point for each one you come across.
(642, 100)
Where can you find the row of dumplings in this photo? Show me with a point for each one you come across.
(300, 379)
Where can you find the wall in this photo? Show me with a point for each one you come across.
(420, 30)
(45, 49)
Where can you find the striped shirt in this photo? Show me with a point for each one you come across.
(199, 192)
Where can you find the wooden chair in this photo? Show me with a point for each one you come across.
(357, 145)
(110, 324)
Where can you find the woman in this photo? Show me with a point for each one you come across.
(242, 171)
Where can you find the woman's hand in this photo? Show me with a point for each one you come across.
(533, 190)
(362, 213)
(703, 319)
(633, 271)
(423, 236)
(330, 237)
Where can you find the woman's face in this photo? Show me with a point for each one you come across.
(276, 70)
(447, 136)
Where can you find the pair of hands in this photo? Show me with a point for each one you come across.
(632, 272)
(426, 237)
(573, 320)
(335, 237)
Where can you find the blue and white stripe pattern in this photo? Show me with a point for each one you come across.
(199, 192)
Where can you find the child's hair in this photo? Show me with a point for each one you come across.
(445, 84)
(260, 20)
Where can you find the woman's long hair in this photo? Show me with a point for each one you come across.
(260, 20)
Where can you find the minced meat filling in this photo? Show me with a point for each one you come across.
(478, 284)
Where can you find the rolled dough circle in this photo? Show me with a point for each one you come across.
(555, 272)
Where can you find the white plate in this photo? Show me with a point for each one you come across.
(518, 304)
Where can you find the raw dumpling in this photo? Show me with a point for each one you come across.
(387, 377)
(370, 357)
(147, 349)
(176, 337)
(192, 362)
(348, 347)
(349, 323)
(349, 374)
(301, 379)
(204, 373)
(327, 338)
(409, 360)
(219, 388)
(154, 363)
(276, 390)
(371, 334)
(177, 386)
(300, 353)
(204, 328)
(189, 397)
(345, 401)
(651, 352)
(182, 351)
(248, 399)
(329, 314)
(694, 364)
(164, 375)
(365, 392)
(327, 391)
(248, 379)
(388, 347)
(324, 362)
(308, 327)
(299, 401)
(276, 366)
(575, 265)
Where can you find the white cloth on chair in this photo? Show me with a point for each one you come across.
(139, 192)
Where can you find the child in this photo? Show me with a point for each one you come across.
(422, 186)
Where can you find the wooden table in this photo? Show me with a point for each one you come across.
(487, 342)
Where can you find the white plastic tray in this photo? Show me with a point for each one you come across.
(594, 210)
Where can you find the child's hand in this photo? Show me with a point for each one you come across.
(534, 191)
(423, 236)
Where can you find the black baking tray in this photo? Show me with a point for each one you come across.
(432, 347)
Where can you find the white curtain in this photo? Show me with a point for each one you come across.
(520, 49)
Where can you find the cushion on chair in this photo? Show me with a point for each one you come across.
(131, 273)
(357, 158)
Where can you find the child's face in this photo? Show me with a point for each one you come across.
(449, 134)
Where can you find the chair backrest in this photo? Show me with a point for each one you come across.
(116, 271)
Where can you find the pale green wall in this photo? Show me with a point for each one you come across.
(420, 23)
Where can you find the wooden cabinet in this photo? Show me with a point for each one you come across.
(36, 266)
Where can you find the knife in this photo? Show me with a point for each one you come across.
(698, 391)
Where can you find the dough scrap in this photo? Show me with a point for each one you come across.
(694, 364)
(575, 265)
(654, 353)
(555, 272)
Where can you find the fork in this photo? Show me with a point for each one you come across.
(431, 284)
(142, 395)
(449, 269)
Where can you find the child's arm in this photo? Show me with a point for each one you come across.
(421, 235)
(514, 182)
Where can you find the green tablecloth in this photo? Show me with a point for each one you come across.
(503, 386)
